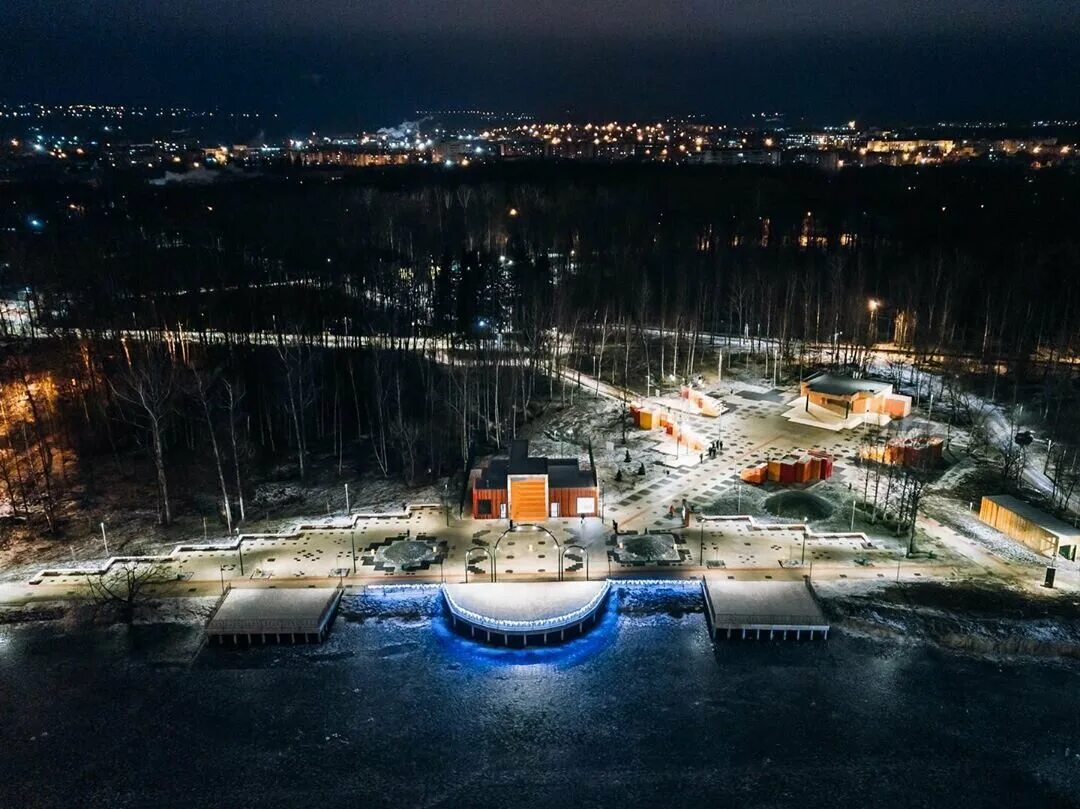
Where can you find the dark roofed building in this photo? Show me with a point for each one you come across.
(836, 402)
(845, 385)
(526, 488)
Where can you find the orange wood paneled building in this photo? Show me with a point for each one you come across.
(530, 489)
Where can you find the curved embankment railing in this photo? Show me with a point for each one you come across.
(328, 524)
(519, 626)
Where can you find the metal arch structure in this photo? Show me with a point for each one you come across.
(518, 529)
(562, 563)
(490, 559)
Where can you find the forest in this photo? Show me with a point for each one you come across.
(186, 341)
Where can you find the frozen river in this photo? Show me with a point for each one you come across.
(395, 710)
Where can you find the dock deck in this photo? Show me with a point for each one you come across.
(755, 609)
(264, 613)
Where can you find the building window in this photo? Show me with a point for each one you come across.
(483, 508)
(586, 505)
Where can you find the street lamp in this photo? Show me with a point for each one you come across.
(352, 542)
(873, 304)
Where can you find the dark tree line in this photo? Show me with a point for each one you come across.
(392, 321)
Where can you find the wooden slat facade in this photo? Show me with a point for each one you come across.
(528, 499)
(567, 500)
(1018, 526)
(497, 498)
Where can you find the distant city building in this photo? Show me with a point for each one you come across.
(824, 159)
(348, 157)
(737, 157)
(456, 151)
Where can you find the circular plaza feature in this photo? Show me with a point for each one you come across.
(646, 549)
(798, 505)
(409, 554)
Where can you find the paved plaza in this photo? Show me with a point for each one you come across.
(419, 544)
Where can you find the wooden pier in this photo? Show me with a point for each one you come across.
(757, 610)
(277, 615)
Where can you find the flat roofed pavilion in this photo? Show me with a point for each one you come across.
(837, 402)
(1042, 532)
(837, 385)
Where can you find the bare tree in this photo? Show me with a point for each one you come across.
(126, 584)
(234, 393)
(146, 385)
(203, 396)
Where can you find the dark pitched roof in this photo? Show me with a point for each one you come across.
(563, 473)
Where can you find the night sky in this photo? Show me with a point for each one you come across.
(346, 63)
